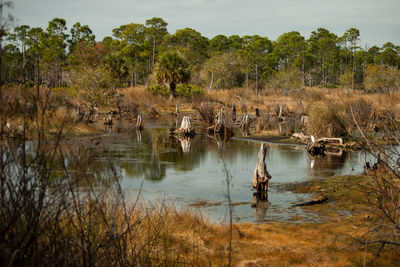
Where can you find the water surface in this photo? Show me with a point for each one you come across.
(191, 173)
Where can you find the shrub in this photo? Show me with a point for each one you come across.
(286, 82)
(326, 120)
(29, 84)
(188, 90)
(382, 79)
(161, 90)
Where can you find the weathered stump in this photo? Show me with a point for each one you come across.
(108, 120)
(186, 127)
(176, 109)
(245, 123)
(220, 126)
(316, 149)
(233, 112)
(261, 176)
(139, 122)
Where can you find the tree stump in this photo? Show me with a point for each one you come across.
(233, 112)
(139, 122)
(245, 123)
(186, 127)
(220, 126)
(261, 175)
(108, 120)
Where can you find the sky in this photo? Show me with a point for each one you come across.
(377, 20)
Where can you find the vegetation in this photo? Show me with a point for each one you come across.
(55, 210)
(139, 54)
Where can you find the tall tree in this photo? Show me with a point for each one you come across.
(20, 36)
(352, 36)
(156, 30)
(131, 39)
(54, 57)
(172, 69)
(252, 55)
(80, 34)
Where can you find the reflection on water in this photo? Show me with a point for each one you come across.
(188, 171)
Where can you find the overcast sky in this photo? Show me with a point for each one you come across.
(377, 20)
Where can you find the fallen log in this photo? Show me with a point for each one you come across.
(315, 200)
(261, 176)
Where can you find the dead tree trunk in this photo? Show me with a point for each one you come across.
(261, 175)
(139, 122)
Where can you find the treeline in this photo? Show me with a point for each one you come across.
(136, 53)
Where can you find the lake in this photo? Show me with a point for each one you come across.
(190, 173)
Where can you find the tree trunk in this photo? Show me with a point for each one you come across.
(172, 88)
(256, 80)
(261, 176)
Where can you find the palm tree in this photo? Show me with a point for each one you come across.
(172, 69)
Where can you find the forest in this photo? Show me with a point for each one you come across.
(138, 54)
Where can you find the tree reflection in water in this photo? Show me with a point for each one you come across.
(260, 205)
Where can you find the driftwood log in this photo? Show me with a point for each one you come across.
(315, 200)
(261, 176)
(139, 122)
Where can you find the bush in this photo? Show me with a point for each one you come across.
(29, 84)
(381, 79)
(161, 90)
(188, 90)
(286, 82)
(326, 120)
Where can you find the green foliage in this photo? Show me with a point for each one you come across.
(157, 89)
(29, 84)
(382, 79)
(172, 69)
(188, 90)
(286, 82)
(346, 79)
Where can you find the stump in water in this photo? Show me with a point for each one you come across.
(139, 122)
(108, 120)
(233, 112)
(220, 126)
(186, 127)
(261, 175)
(316, 149)
(245, 123)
